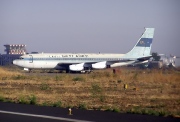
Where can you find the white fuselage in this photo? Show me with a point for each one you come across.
(56, 60)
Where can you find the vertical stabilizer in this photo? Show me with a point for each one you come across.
(143, 46)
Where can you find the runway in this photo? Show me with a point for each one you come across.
(11, 112)
(43, 116)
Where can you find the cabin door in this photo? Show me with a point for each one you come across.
(30, 59)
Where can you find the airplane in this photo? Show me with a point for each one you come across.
(86, 62)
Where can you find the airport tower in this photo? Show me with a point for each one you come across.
(15, 49)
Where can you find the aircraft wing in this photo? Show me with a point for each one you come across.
(67, 64)
(144, 58)
(92, 62)
(120, 61)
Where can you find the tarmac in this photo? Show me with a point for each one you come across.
(12, 112)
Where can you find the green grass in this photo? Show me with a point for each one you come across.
(147, 112)
(45, 86)
(78, 79)
(23, 100)
(18, 77)
(57, 104)
(117, 110)
(2, 98)
(32, 99)
(28, 99)
(58, 78)
(82, 106)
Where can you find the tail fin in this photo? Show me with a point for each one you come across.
(143, 46)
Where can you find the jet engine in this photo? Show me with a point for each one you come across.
(76, 67)
(99, 65)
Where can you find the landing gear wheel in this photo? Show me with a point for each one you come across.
(68, 71)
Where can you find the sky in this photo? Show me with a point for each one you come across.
(89, 26)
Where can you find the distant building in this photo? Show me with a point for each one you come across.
(12, 52)
(15, 49)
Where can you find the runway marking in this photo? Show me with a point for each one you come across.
(44, 116)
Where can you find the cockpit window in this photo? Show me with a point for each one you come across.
(21, 58)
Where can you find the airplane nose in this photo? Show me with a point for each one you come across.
(14, 62)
